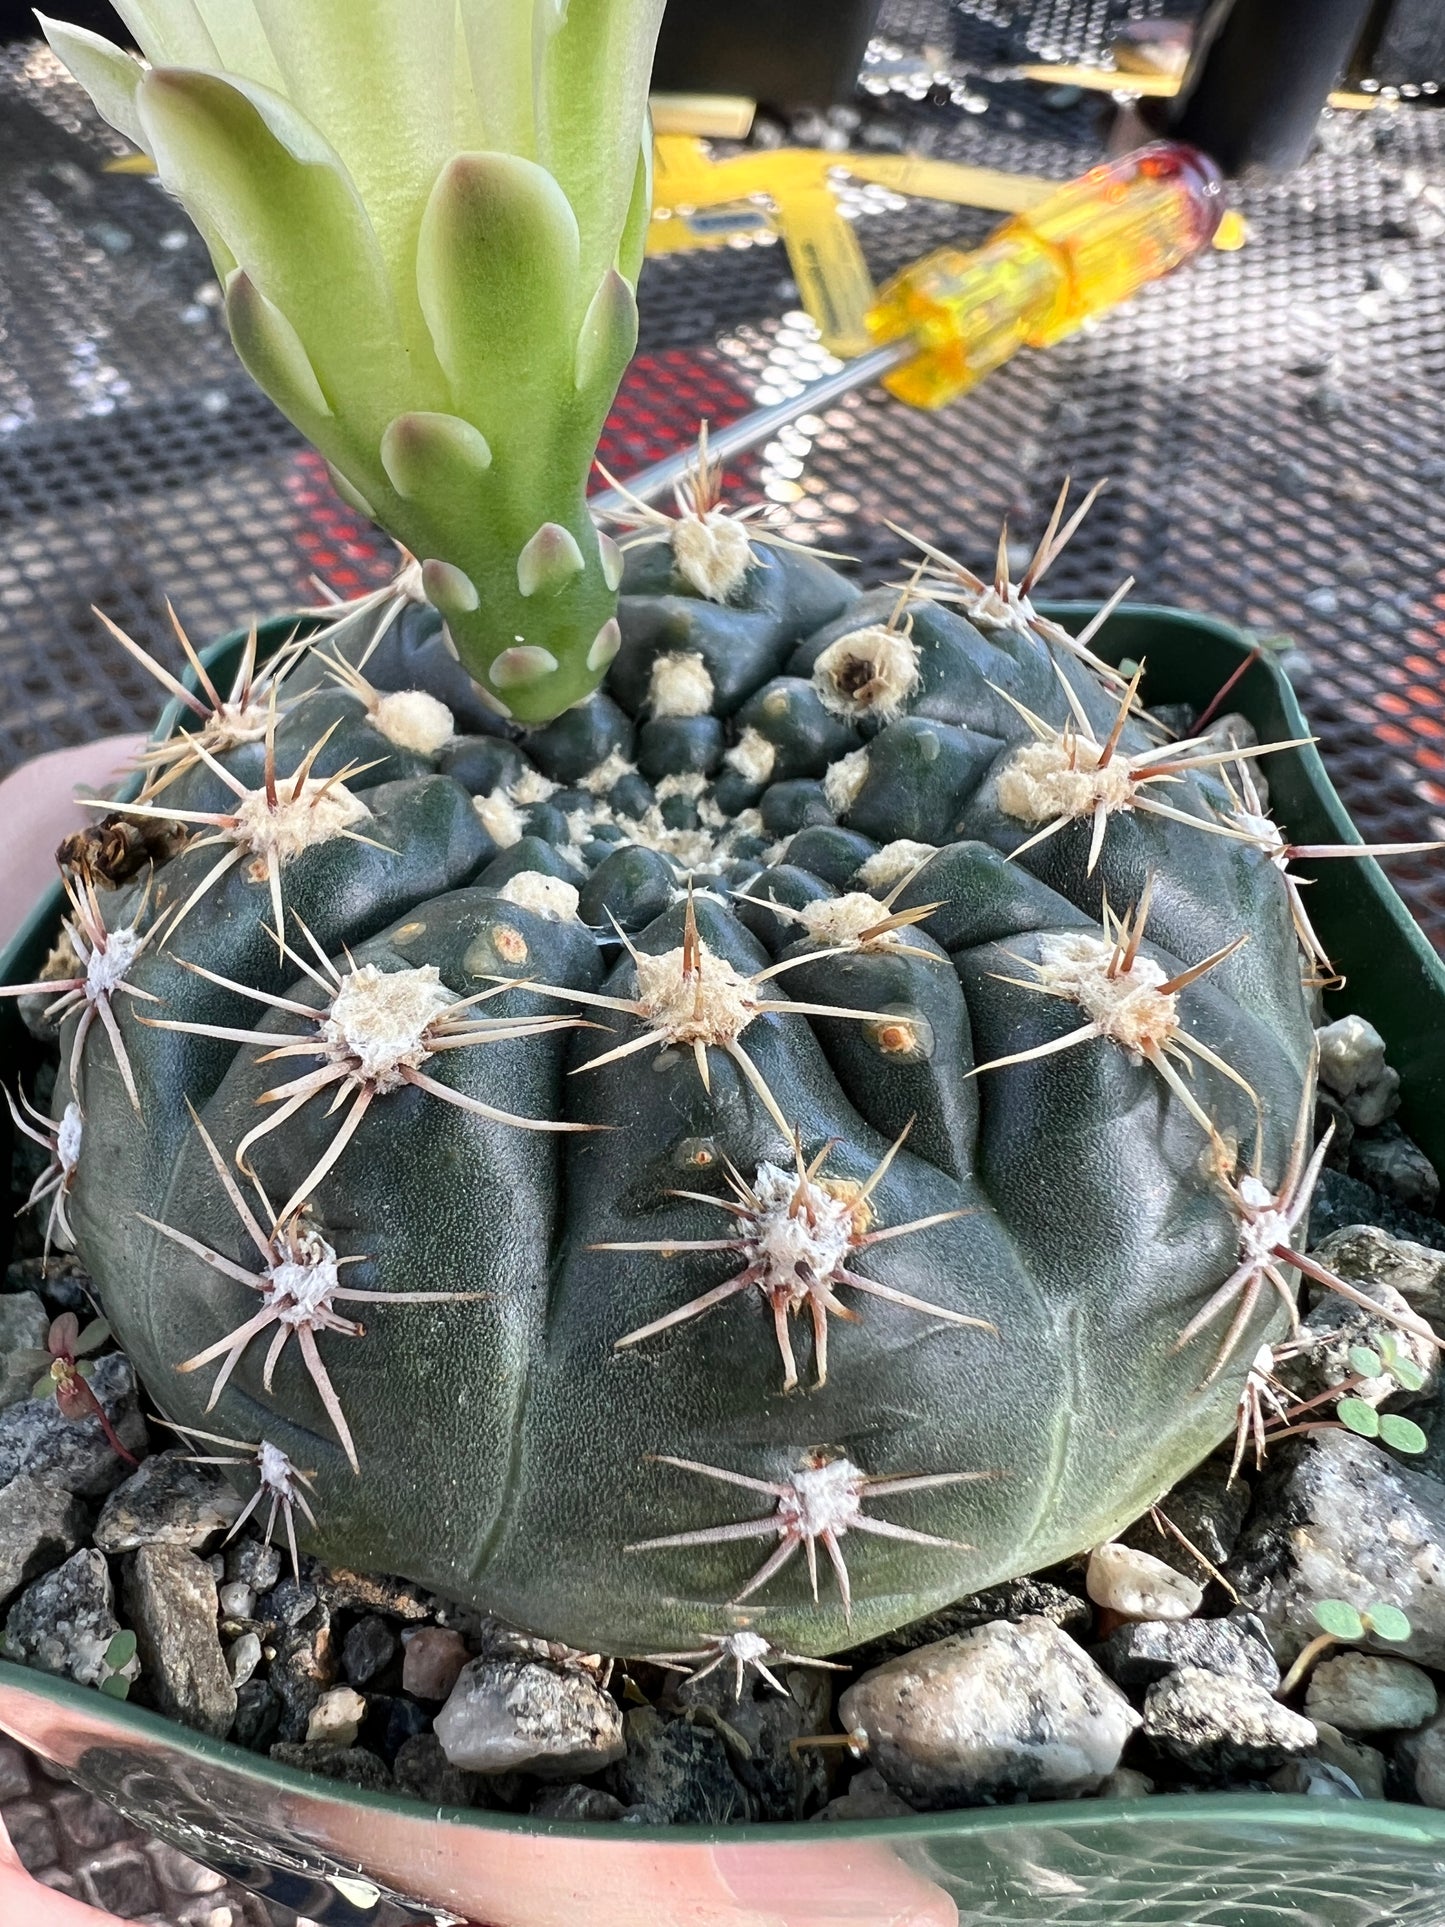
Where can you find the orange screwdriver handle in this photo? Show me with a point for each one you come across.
(1038, 277)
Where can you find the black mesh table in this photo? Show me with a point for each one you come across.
(1270, 419)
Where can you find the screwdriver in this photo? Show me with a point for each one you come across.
(944, 323)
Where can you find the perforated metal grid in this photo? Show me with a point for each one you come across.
(1271, 419)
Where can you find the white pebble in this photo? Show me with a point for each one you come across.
(336, 1717)
(236, 1601)
(1136, 1585)
(243, 1658)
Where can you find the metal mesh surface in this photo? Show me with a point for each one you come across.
(1270, 419)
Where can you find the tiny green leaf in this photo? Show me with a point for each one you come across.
(1367, 1363)
(1358, 1417)
(43, 1386)
(1407, 1374)
(121, 1650)
(1402, 1433)
(115, 1686)
(1388, 1622)
(1339, 1619)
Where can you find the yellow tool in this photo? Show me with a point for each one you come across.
(941, 325)
(699, 202)
(1088, 247)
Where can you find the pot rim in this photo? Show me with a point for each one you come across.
(1395, 1819)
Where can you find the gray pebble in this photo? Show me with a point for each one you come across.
(1365, 1765)
(368, 1649)
(676, 1772)
(1138, 1655)
(1218, 1727)
(1315, 1778)
(352, 1765)
(40, 1525)
(513, 1715)
(243, 1658)
(1421, 1759)
(1395, 1165)
(868, 1797)
(65, 1621)
(1001, 1710)
(783, 1784)
(250, 1563)
(1318, 1531)
(1125, 1783)
(236, 1601)
(1369, 1693)
(302, 1669)
(24, 1327)
(1364, 1254)
(258, 1715)
(423, 1770)
(577, 1803)
(168, 1502)
(170, 1600)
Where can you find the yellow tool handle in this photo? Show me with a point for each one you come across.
(1084, 249)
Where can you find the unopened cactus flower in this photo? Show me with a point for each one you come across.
(428, 220)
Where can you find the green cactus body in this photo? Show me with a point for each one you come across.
(1004, 1384)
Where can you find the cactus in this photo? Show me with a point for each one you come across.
(715, 1165)
(780, 1192)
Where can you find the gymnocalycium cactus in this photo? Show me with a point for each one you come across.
(812, 1130)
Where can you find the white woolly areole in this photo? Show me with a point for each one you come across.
(712, 553)
(745, 1645)
(1268, 833)
(321, 811)
(500, 818)
(712, 1004)
(602, 778)
(796, 1248)
(893, 861)
(843, 781)
(67, 1138)
(680, 685)
(842, 920)
(825, 1498)
(532, 787)
(871, 672)
(1042, 781)
(276, 1471)
(1262, 1225)
(107, 964)
(550, 897)
(303, 1284)
(379, 1019)
(1128, 1007)
(753, 756)
(232, 724)
(412, 719)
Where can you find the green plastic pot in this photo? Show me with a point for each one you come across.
(349, 1858)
